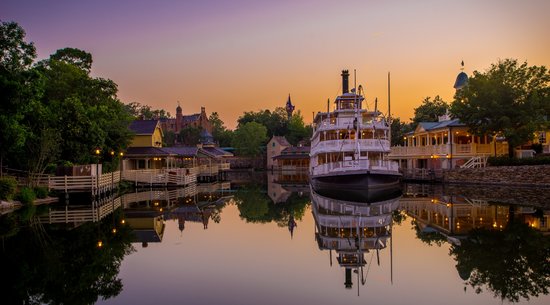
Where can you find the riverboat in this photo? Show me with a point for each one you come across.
(349, 149)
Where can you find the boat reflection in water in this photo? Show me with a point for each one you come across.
(352, 229)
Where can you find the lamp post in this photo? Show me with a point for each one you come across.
(97, 153)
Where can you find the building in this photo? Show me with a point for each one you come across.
(293, 158)
(274, 148)
(181, 121)
(446, 144)
(443, 145)
(148, 133)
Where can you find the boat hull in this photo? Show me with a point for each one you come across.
(359, 186)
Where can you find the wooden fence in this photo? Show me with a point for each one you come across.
(78, 214)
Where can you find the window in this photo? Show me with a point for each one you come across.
(273, 144)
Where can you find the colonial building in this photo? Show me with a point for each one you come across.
(181, 121)
(446, 144)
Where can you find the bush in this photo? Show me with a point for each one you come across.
(507, 161)
(26, 196)
(8, 186)
(41, 192)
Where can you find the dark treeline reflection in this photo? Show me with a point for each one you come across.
(498, 247)
(513, 263)
(57, 265)
(256, 206)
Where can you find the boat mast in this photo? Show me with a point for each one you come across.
(389, 110)
(356, 121)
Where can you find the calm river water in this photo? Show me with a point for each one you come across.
(281, 244)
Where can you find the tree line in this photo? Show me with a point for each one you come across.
(53, 111)
(510, 99)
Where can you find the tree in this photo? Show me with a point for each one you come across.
(275, 122)
(509, 99)
(220, 133)
(18, 85)
(513, 263)
(297, 131)
(145, 112)
(398, 131)
(76, 57)
(248, 139)
(189, 135)
(430, 110)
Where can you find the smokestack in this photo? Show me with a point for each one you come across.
(345, 85)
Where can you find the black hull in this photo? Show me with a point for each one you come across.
(363, 187)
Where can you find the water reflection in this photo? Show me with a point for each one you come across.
(497, 247)
(50, 265)
(353, 229)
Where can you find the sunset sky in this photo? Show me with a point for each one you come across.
(246, 55)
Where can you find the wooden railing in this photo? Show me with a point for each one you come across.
(444, 149)
(175, 176)
(155, 195)
(80, 214)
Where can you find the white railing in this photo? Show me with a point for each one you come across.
(341, 166)
(343, 243)
(209, 170)
(445, 149)
(347, 123)
(342, 221)
(475, 162)
(350, 145)
(79, 214)
(173, 176)
(224, 166)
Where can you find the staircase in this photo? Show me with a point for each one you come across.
(475, 162)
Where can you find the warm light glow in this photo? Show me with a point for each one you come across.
(123, 221)
(112, 153)
(114, 230)
(121, 154)
(156, 203)
(97, 151)
(99, 244)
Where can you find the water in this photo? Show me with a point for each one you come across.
(246, 249)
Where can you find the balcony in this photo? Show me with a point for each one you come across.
(472, 149)
(349, 145)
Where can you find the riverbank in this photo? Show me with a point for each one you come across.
(524, 176)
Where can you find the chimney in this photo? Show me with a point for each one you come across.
(203, 110)
(345, 85)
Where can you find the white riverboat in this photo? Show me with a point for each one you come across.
(349, 150)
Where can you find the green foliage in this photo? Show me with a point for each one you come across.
(8, 187)
(507, 161)
(67, 267)
(55, 110)
(255, 206)
(75, 57)
(398, 131)
(17, 87)
(220, 133)
(275, 122)
(248, 139)
(15, 53)
(138, 110)
(169, 138)
(509, 99)
(41, 192)
(297, 131)
(26, 196)
(189, 136)
(429, 111)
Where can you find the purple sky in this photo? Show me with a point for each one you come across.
(243, 55)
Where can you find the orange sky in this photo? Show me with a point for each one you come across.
(246, 55)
